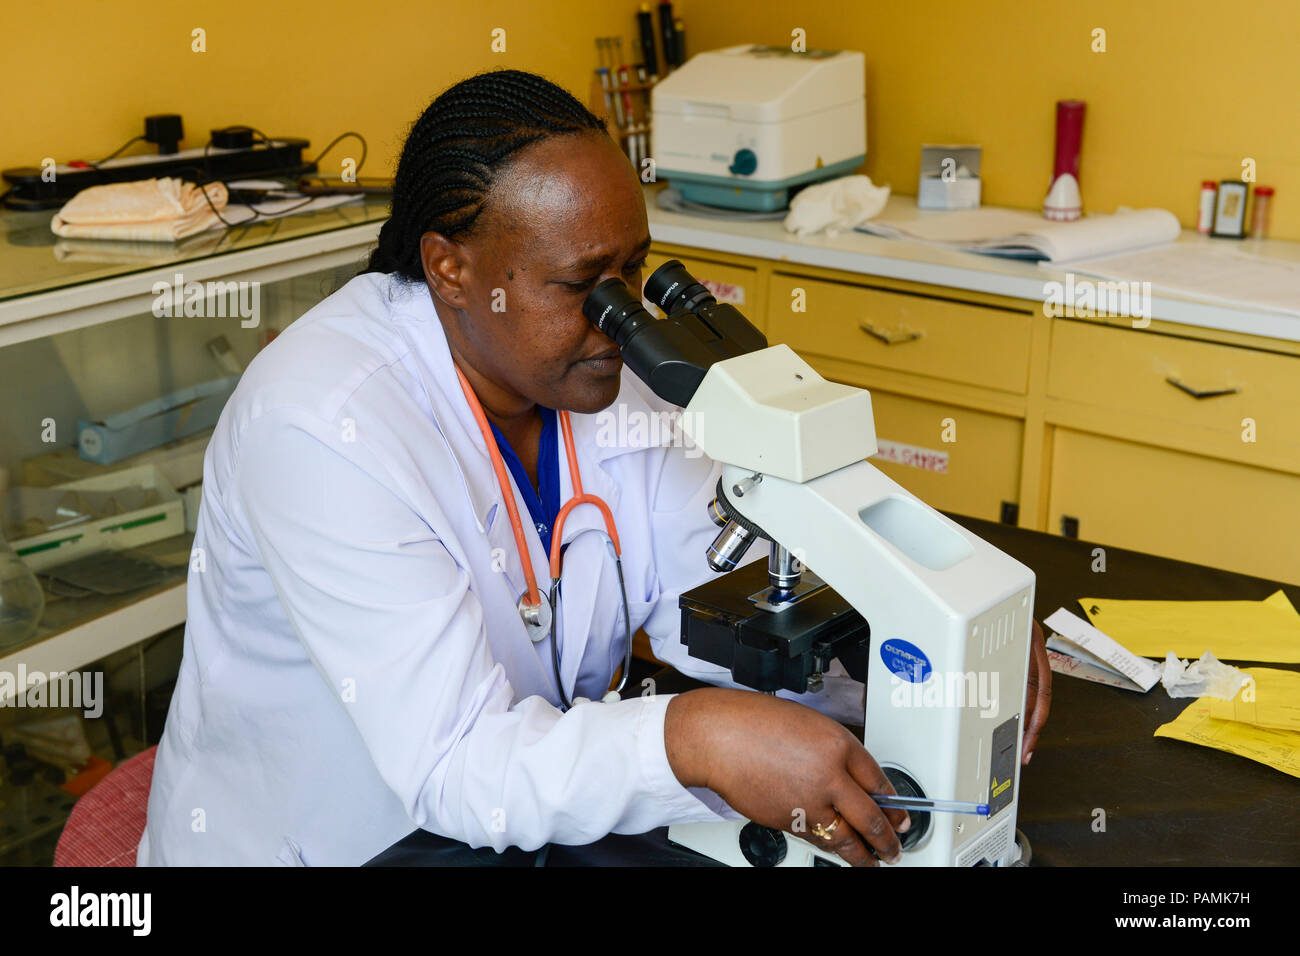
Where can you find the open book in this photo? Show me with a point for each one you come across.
(1024, 235)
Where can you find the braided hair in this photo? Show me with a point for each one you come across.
(453, 150)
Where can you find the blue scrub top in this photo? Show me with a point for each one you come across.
(544, 501)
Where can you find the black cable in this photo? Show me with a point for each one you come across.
(270, 145)
(284, 172)
(204, 177)
(116, 152)
(336, 140)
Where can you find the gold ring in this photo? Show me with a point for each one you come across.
(826, 832)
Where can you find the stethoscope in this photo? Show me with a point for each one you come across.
(540, 612)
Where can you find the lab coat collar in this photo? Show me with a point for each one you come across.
(455, 420)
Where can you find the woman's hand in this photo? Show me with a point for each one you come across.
(770, 759)
(1038, 693)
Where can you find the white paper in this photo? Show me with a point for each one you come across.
(236, 213)
(1069, 664)
(953, 226)
(1213, 272)
(1058, 643)
(1074, 628)
(997, 231)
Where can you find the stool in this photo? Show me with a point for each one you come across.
(105, 825)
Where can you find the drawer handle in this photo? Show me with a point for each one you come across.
(1200, 392)
(886, 336)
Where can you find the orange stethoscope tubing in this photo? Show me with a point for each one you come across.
(532, 593)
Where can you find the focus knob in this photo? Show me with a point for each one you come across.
(905, 786)
(762, 846)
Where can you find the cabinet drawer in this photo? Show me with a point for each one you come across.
(972, 475)
(734, 284)
(1176, 505)
(955, 341)
(1131, 371)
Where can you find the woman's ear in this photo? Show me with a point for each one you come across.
(444, 268)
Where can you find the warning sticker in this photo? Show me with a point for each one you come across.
(1002, 770)
(914, 456)
(725, 291)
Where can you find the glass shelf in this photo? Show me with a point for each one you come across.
(62, 614)
(34, 260)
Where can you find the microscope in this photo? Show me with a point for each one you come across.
(934, 621)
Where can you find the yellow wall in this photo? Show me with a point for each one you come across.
(1185, 90)
(90, 73)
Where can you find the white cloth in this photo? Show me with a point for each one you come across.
(838, 204)
(143, 210)
(354, 665)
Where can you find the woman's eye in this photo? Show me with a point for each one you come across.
(585, 285)
(580, 287)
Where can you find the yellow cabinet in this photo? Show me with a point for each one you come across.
(1177, 505)
(952, 458)
(1163, 440)
(956, 341)
(1236, 403)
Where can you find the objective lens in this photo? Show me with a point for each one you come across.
(674, 289)
(783, 572)
(729, 546)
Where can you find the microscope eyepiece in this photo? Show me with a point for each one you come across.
(674, 289)
(671, 355)
(616, 310)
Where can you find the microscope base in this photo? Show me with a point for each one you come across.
(744, 843)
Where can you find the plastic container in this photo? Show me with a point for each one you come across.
(21, 599)
(1262, 212)
(1205, 217)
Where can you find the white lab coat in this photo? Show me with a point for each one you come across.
(354, 665)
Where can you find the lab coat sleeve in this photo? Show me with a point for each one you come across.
(682, 531)
(388, 619)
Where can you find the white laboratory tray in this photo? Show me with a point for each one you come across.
(129, 530)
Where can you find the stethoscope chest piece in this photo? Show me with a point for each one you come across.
(536, 617)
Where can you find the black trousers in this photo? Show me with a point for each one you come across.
(422, 848)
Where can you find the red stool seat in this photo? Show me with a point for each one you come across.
(105, 825)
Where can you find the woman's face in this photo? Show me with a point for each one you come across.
(565, 214)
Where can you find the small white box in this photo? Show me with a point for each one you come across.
(950, 177)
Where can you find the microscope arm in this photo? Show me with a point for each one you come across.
(942, 605)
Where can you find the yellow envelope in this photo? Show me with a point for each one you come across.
(1267, 630)
(1279, 749)
(1273, 701)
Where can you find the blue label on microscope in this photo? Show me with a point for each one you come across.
(906, 660)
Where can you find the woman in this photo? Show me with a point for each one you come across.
(355, 662)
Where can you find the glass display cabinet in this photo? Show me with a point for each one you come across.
(115, 360)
